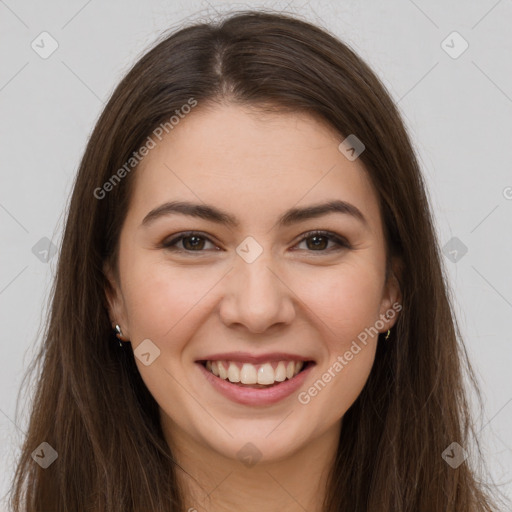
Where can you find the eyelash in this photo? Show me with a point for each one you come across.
(341, 242)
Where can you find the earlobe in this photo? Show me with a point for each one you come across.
(392, 299)
(114, 303)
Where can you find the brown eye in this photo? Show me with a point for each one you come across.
(193, 242)
(318, 241)
(190, 242)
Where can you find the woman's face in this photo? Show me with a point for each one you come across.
(250, 285)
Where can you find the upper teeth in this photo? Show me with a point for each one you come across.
(248, 373)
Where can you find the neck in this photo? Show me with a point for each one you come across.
(217, 483)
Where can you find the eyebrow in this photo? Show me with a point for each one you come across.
(214, 214)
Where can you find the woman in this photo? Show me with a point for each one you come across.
(249, 219)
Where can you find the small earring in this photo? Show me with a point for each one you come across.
(119, 334)
(387, 335)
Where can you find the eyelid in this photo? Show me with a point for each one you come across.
(331, 236)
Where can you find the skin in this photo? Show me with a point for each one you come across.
(293, 298)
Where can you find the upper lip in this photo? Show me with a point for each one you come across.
(246, 357)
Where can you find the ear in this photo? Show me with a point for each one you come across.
(115, 301)
(391, 302)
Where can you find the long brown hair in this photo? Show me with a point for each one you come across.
(91, 404)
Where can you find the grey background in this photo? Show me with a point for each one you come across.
(458, 112)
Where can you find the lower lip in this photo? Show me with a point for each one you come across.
(256, 396)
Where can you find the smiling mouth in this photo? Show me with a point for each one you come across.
(258, 376)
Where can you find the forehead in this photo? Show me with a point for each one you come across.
(251, 163)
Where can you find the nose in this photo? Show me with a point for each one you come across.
(257, 296)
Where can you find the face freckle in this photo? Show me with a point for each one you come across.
(254, 285)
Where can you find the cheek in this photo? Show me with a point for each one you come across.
(159, 298)
(347, 305)
(347, 374)
(166, 305)
(348, 302)
(345, 298)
